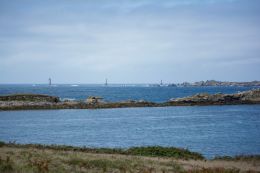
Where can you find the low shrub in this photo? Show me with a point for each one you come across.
(6, 165)
(158, 151)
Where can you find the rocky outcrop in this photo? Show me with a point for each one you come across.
(31, 101)
(247, 97)
(30, 98)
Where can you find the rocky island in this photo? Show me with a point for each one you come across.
(246, 97)
(218, 83)
(209, 83)
(38, 101)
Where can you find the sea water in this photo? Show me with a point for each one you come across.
(116, 92)
(210, 130)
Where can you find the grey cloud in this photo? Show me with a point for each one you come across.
(131, 41)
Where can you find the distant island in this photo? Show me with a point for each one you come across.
(37, 101)
(210, 83)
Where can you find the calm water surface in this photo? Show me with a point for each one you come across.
(211, 130)
(116, 92)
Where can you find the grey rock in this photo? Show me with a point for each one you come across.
(93, 100)
(246, 97)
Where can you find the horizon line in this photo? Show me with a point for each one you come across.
(118, 83)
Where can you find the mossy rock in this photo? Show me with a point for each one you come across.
(30, 97)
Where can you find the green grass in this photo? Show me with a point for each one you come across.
(150, 151)
(158, 151)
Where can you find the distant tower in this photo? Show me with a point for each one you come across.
(49, 81)
(106, 83)
(161, 83)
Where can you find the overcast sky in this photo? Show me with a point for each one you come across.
(129, 41)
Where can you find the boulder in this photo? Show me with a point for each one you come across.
(252, 95)
(93, 99)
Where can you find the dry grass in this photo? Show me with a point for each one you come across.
(151, 151)
(35, 160)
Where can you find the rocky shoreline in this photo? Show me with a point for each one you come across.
(246, 97)
(37, 101)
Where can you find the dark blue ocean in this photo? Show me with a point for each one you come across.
(116, 92)
(210, 130)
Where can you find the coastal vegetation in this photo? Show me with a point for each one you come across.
(21, 158)
(152, 151)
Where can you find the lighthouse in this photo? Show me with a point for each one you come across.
(106, 83)
(49, 81)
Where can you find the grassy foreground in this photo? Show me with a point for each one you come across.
(32, 158)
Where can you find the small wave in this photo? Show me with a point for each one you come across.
(74, 85)
(68, 99)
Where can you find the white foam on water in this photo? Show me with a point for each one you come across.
(68, 99)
